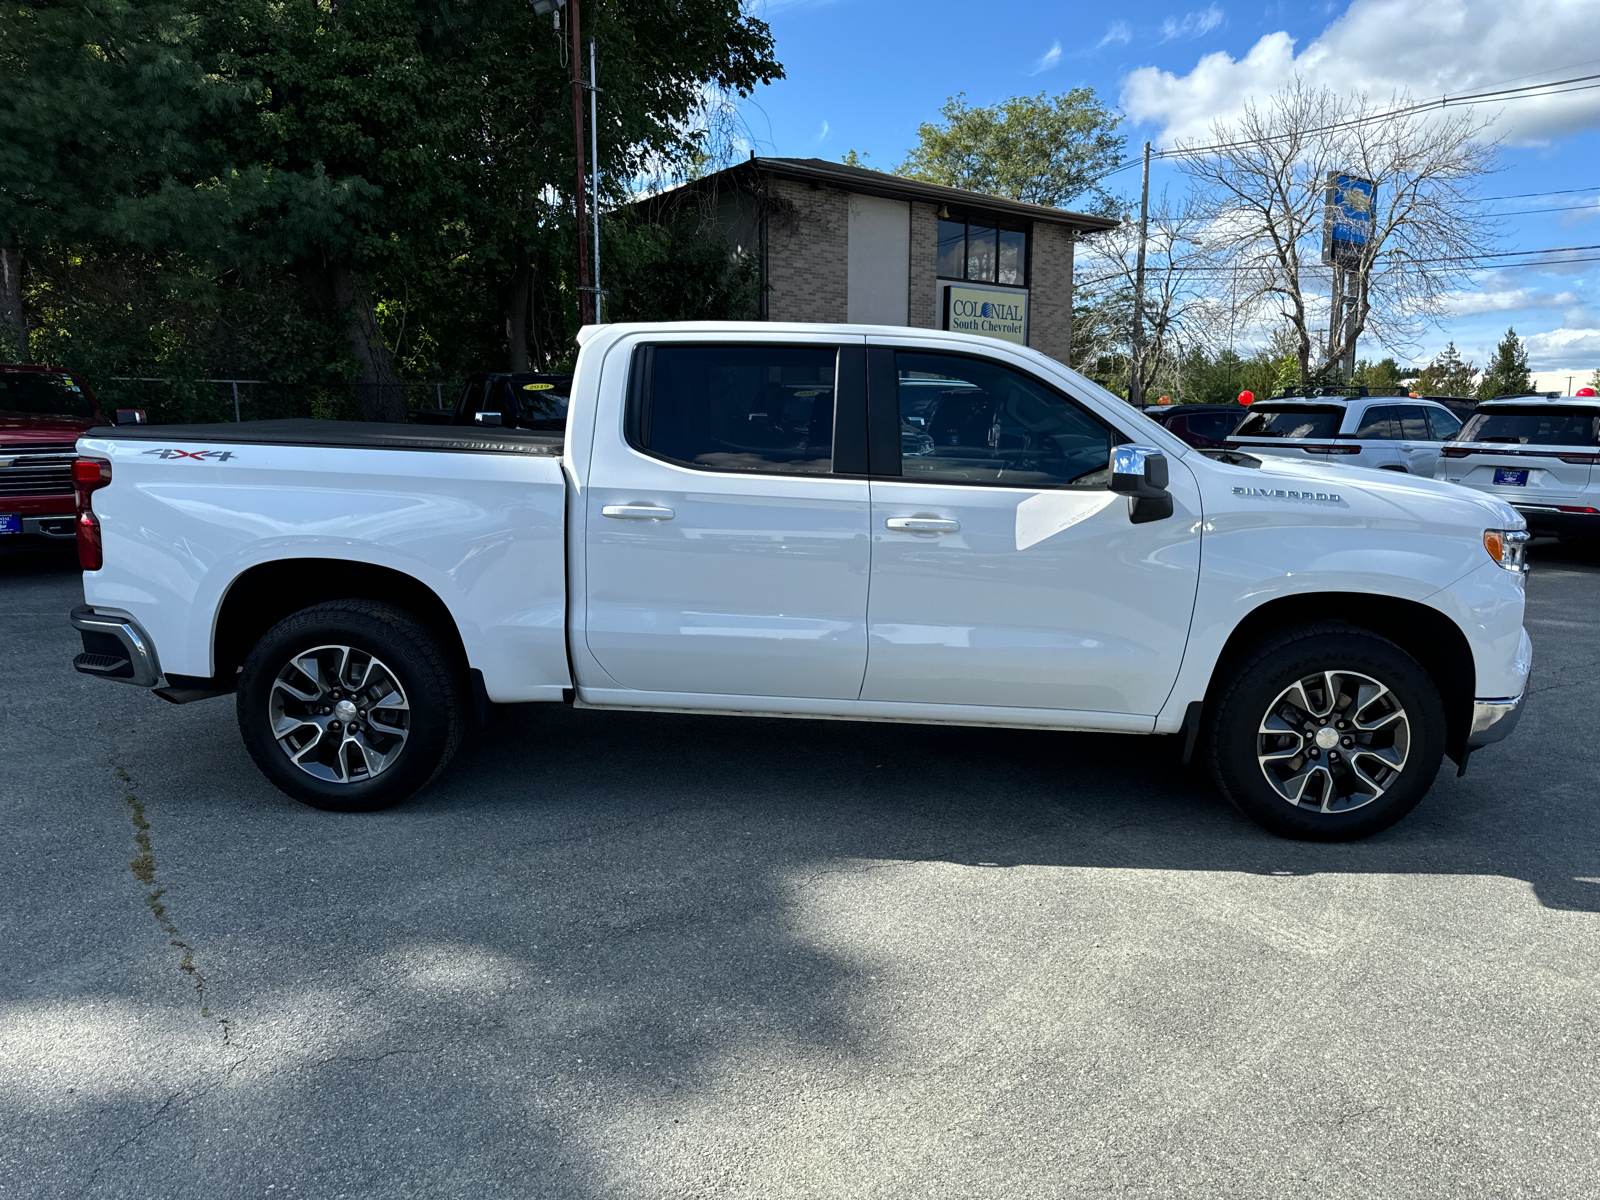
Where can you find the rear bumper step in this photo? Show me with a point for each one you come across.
(115, 647)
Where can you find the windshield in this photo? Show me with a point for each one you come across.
(1532, 425)
(1292, 421)
(31, 395)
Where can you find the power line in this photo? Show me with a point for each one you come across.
(1525, 92)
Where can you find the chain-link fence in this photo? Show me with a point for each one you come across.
(171, 401)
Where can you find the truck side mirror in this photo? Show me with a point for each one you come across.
(488, 418)
(1140, 473)
(130, 416)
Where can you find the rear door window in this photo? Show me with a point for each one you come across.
(1413, 422)
(1292, 421)
(1378, 424)
(1533, 425)
(736, 408)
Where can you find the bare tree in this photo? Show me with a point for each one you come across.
(1265, 181)
(1178, 312)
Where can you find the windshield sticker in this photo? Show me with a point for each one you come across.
(537, 387)
(198, 455)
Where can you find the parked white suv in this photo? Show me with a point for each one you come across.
(1387, 432)
(1536, 454)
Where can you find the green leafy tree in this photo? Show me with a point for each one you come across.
(854, 158)
(1448, 375)
(98, 104)
(1035, 148)
(1507, 373)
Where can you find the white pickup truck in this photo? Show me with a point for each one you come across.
(847, 522)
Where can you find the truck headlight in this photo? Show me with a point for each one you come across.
(1508, 547)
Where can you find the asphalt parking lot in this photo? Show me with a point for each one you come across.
(661, 956)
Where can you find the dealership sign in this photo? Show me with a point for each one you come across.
(993, 312)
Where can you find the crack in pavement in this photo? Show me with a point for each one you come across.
(94, 1176)
(143, 867)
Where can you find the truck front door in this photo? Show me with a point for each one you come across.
(726, 551)
(1005, 571)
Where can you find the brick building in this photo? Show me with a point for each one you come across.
(840, 243)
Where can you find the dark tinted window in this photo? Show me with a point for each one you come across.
(540, 405)
(1533, 425)
(42, 395)
(981, 252)
(740, 408)
(967, 420)
(1212, 425)
(1013, 257)
(952, 249)
(1378, 423)
(1443, 423)
(1291, 421)
(1413, 422)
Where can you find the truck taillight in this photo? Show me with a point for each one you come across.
(89, 475)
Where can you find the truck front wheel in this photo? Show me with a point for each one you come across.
(351, 705)
(1326, 733)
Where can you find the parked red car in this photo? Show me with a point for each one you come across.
(43, 412)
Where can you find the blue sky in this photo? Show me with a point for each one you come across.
(862, 74)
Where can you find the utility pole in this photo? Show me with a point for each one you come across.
(594, 164)
(585, 288)
(1136, 367)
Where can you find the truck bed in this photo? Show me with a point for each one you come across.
(362, 435)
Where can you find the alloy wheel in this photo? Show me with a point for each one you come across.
(1333, 741)
(339, 714)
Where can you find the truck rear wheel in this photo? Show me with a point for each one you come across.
(351, 705)
(1326, 733)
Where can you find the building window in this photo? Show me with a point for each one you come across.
(983, 251)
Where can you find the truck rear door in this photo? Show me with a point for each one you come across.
(726, 537)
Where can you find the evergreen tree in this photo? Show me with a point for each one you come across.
(1448, 375)
(1507, 373)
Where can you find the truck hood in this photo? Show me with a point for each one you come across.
(16, 428)
(1393, 490)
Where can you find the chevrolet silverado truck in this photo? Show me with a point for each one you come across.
(825, 521)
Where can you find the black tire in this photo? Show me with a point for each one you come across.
(412, 718)
(1386, 761)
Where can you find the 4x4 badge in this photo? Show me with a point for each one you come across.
(201, 455)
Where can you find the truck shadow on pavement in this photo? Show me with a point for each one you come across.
(649, 954)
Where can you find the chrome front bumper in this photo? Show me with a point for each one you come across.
(1493, 720)
(114, 647)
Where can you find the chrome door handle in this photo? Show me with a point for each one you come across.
(923, 525)
(637, 512)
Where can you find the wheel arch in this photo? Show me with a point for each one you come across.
(1428, 635)
(260, 597)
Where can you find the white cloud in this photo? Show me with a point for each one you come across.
(1050, 58)
(1118, 33)
(1383, 47)
(822, 133)
(1562, 347)
(1191, 25)
(1467, 304)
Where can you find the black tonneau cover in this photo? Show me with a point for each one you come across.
(361, 435)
